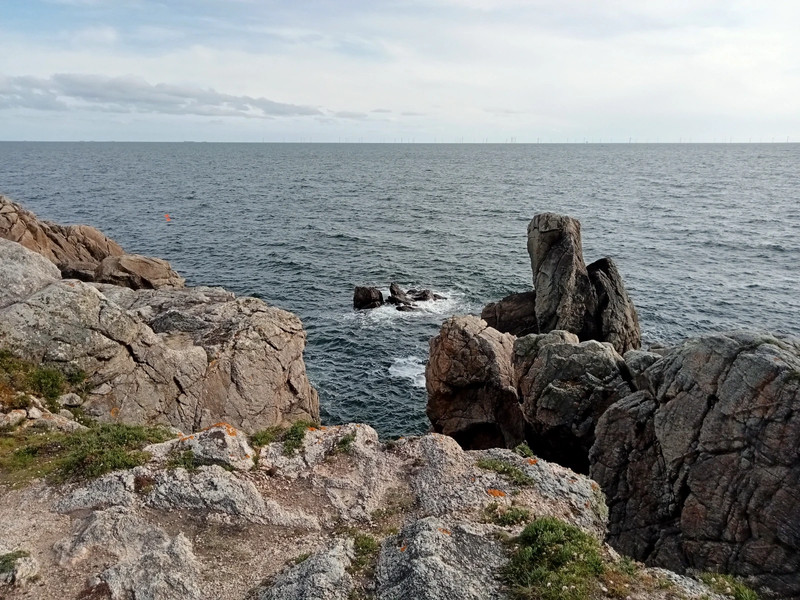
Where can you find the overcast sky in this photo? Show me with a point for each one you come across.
(421, 70)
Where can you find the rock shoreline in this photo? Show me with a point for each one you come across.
(235, 505)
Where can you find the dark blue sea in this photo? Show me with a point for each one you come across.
(707, 237)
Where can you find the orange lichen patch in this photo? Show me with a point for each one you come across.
(533, 461)
(403, 549)
(312, 428)
(595, 487)
(115, 412)
(496, 493)
(323, 428)
(229, 429)
(445, 531)
(247, 456)
(472, 479)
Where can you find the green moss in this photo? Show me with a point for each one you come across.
(513, 473)
(506, 516)
(554, 561)
(181, 459)
(29, 454)
(7, 561)
(729, 586)
(524, 450)
(345, 443)
(365, 548)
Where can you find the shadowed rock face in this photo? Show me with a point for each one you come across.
(471, 385)
(367, 297)
(700, 466)
(514, 314)
(616, 320)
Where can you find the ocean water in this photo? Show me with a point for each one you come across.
(707, 237)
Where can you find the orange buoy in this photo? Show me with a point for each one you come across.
(167, 218)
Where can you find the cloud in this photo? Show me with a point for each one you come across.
(66, 91)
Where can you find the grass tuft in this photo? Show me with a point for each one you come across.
(513, 473)
(365, 548)
(524, 450)
(554, 561)
(728, 585)
(345, 443)
(506, 516)
(7, 561)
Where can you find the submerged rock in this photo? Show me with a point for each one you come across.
(700, 465)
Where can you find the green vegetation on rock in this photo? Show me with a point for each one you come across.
(506, 516)
(513, 473)
(524, 450)
(292, 437)
(728, 585)
(345, 443)
(554, 561)
(7, 561)
(19, 377)
(32, 453)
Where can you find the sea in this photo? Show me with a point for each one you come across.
(706, 236)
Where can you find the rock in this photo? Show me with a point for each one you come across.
(137, 272)
(638, 361)
(565, 297)
(700, 465)
(616, 320)
(241, 361)
(367, 297)
(564, 387)
(60, 245)
(397, 295)
(322, 576)
(112, 489)
(23, 272)
(21, 569)
(219, 444)
(433, 559)
(471, 385)
(71, 399)
(34, 413)
(149, 562)
(12, 418)
(514, 314)
(422, 295)
(406, 308)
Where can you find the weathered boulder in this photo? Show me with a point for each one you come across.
(17, 568)
(219, 444)
(514, 314)
(212, 357)
(137, 272)
(323, 576)
(616, 320)
(565, 297)
(23, 272)
(471, 385)
(59, 244)
(432, 559)
(367, 297)
(564, 386)
(700, 466)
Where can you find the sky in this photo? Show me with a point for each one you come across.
(392, 71)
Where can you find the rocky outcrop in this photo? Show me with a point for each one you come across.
(565, 386)
(590, 302)
(367, 297)
(700, 465)
(137, 272)
(83, 252)
(184, 357)
(514, 314)
(63, 246)
(471, 385)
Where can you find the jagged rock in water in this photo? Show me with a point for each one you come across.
(616, 320)
(565, 297)
(700, 465)
(514, 314)
(471, 385)
(397, 295)
(137, 272)
(241, 362)
(564, 386)
(367, 297)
